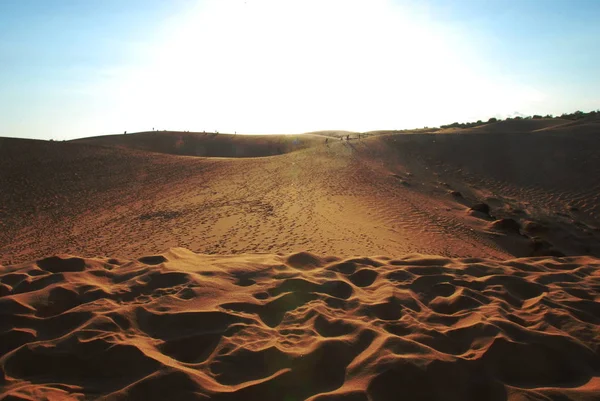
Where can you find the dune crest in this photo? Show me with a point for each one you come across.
(180, 325)
(206, 144)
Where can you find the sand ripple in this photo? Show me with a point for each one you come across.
(267, 327)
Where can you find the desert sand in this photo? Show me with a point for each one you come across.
(433, 265)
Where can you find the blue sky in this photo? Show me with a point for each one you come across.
(80, 68)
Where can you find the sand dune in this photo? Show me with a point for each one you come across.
(588, 125)
(269, 327)
(546, 182)
(206, 144)
(236, 298)
(512, 126)
(387, 194)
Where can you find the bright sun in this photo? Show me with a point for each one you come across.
(281, 67)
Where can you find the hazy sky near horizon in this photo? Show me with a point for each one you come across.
(77, 68)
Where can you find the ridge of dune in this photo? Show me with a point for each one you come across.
(510, 126)
(588, 125)
(523, 125)
(206, 144)
(332, 133)
(180, 325)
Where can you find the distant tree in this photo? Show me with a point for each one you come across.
(570, 116)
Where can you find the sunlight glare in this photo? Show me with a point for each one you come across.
(286, 67)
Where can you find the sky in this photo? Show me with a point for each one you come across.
(78, 68)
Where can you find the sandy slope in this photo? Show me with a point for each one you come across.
(511, 126)
(209, 144)
(388, 194)
(267, 327)
(257, 315)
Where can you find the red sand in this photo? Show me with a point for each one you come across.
(267, 315)
(267, 327)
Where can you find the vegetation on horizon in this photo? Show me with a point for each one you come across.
(578, 115)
